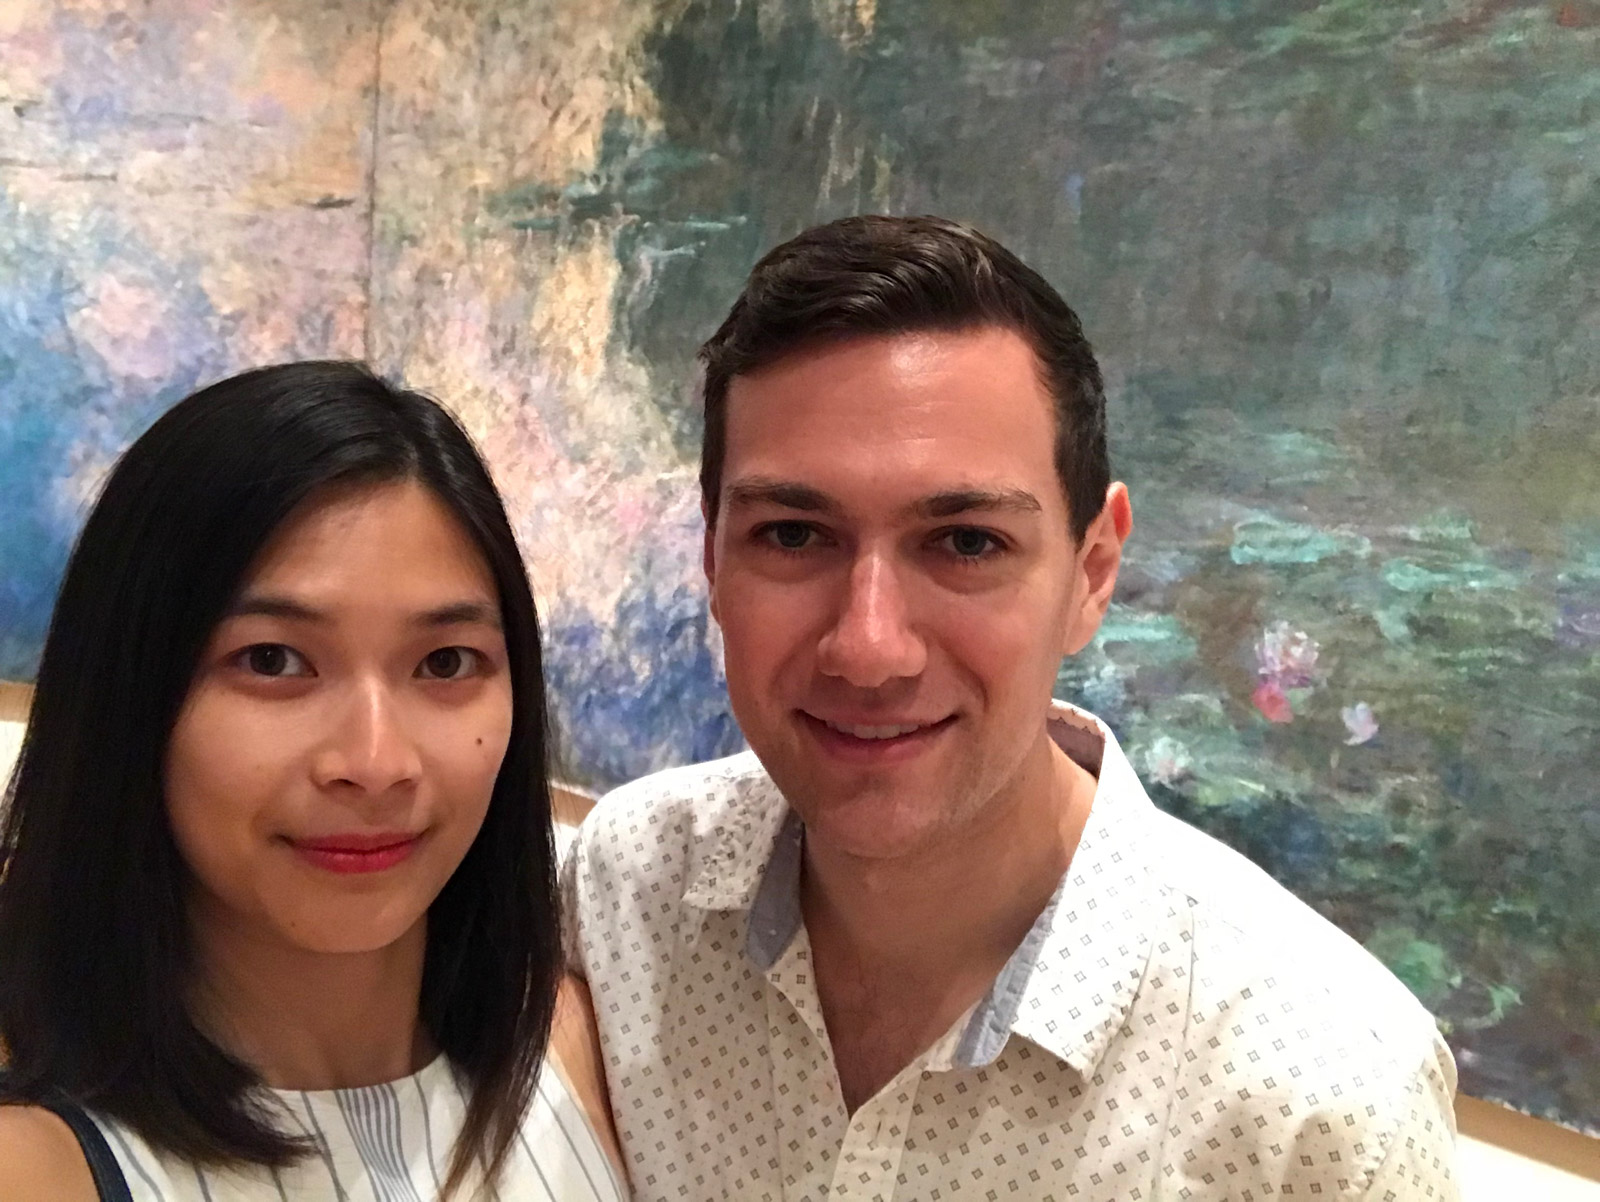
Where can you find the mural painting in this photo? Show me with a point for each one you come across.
(1338, 259)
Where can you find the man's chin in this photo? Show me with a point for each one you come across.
(870, 824)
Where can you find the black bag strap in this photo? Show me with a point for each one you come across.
(109, 1181)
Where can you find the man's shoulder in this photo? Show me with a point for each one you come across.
(692, 790)
(1314, 1007)
(1293, 1027)
(671, 820)
(1248, 927)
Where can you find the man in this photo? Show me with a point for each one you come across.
(931, 940)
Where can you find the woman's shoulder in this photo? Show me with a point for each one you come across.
(40, 1160)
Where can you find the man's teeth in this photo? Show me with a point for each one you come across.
(873, 732)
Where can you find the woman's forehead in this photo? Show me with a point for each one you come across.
(394, 544)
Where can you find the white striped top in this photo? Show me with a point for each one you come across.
(389, 1143)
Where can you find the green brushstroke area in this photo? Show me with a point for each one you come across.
(1339, 260)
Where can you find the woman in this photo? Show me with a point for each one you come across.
(277, 912)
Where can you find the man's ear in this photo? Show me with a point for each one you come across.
(708, 556)
(1098, 559)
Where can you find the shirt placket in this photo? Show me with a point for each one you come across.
(875, 1142)
(805, 1082)
(869, 1160)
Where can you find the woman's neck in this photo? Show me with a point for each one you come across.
(310, 1020)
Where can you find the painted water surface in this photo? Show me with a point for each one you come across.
(183, 193)
(1340, 261)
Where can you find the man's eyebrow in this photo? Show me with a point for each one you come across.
(781, 493)
(967, 500)
(267, 605)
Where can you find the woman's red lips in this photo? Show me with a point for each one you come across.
(357, 852)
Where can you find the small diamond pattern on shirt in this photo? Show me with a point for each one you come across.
(1165, 1046)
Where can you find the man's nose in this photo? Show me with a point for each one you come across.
(368, 744)
(871, 640)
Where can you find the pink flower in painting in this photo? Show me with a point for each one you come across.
(1360, 721)
(1287, 657)
(1274, 705)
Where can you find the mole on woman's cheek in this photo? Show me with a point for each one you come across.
(480, 742)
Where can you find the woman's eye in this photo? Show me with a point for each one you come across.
(274, 659)
(789, 536)
(970, 543)
(448, 663)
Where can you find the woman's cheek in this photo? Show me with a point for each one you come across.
(472, 755)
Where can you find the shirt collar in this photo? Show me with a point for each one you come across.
(741, 841)
(775, 915)
(1096, 936)
(1071, 982)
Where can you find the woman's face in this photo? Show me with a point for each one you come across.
(335, 756)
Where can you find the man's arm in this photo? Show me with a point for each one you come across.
(1421, 1157)
(575, 1048)
(571, 943)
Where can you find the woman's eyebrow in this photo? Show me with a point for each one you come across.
(456, 613)
(268, 605)
(479, 613)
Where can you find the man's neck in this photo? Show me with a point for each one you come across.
(310, 1020)
(903, 948)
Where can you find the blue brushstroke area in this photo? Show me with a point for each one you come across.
(42, 386)
(639, 694)
(59, 405)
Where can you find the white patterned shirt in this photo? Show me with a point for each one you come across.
(1174, 1026)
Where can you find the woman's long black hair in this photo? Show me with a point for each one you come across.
(95, 953)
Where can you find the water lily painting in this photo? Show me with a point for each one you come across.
(1339, 259)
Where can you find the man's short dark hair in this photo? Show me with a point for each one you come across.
(871, 276)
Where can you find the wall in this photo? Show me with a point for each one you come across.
(1504, 1155)
(11, 729)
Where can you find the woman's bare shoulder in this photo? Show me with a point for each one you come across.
(575, 1048)
(40, 1160)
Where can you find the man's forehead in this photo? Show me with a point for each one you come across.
(927, 425)
(911, 351)
(953, 393)
(917, 357)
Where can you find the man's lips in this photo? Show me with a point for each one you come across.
(879, 728)
(357, 852)
(880, 742)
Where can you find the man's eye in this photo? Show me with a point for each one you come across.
(970, 543)
(789, 536)
(274, 659)
(448, 663)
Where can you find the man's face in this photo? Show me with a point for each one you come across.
(896, 581)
